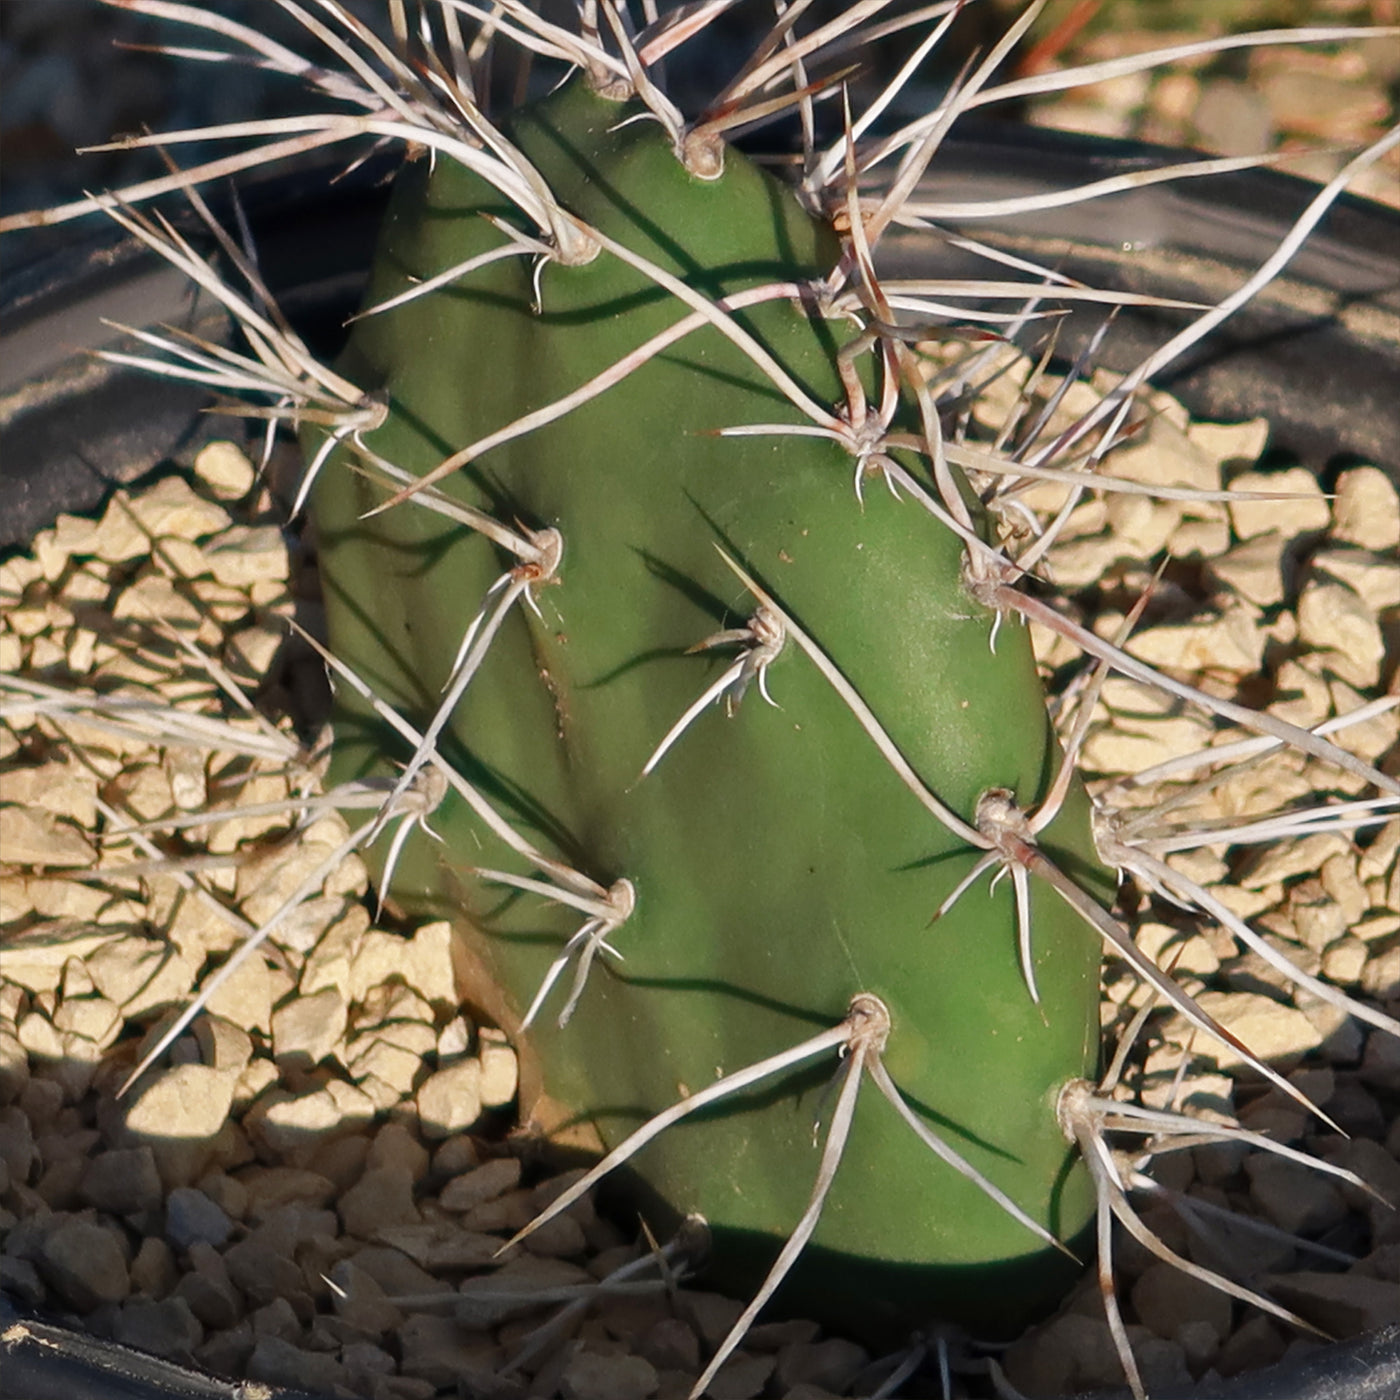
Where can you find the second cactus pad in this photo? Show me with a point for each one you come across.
(779, 865)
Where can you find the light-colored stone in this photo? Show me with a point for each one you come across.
(290, 1123)
(307, 1029)
(500, 1069)
(226, 472)
(187, 1101)
(32, 836)
(386, 1063)
(141, 974)
(1335, 622)
(247, 554)
(93, 1019)
(1231, 642)
(423, 962)
(450, 1101)
(1375, 579)
(1253, 569)
(1302, 507)
(1366, 510)
(1274, 1032)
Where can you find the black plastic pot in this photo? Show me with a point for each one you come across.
(1318, 354)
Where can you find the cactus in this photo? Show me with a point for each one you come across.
(779, 863)
(627, 430)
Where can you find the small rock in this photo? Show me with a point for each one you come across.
(590, 1376)
(276, 1319)
(454, 1039)
(1366, 510)
(1304, 509)
(166, 1328)
(450, 1101)
(383, 1196)
(1167, 1301)
(500, 1070)
(1277, 1034)
(359, 1299)
(712, 1314)
(670, 1345)
(261, 1273)
(377, 1058)
(188, 1101)
(19, 1279)
(395, 1146)
(833, 1364)
(1380, 1062)
(84, 1265)
(225, 471)
(247, 554)
(742, 1377)
(208, 1289)
(1257, 1343)
(33, 837)
(153, 1271)
(190, 1217)
(226, 1352)
(342, 1160)
(122, 1181)
(438, 1350)
(455, 1156)
(281, 1363)
(17, 1149)
(270, 1187)
(560, 1238)
(1293, 1197)
(368, 1359)
(1343, 1305)
(1345, 961)
(1336, 622)
(288, 1123)
(483, 1183)
(307, 1029)
(1254, 569)
(442, 1246)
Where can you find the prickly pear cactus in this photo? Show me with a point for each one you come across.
(778, 864)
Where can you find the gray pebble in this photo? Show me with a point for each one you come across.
(191, 1217)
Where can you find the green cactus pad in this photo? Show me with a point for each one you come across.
(780, 865)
